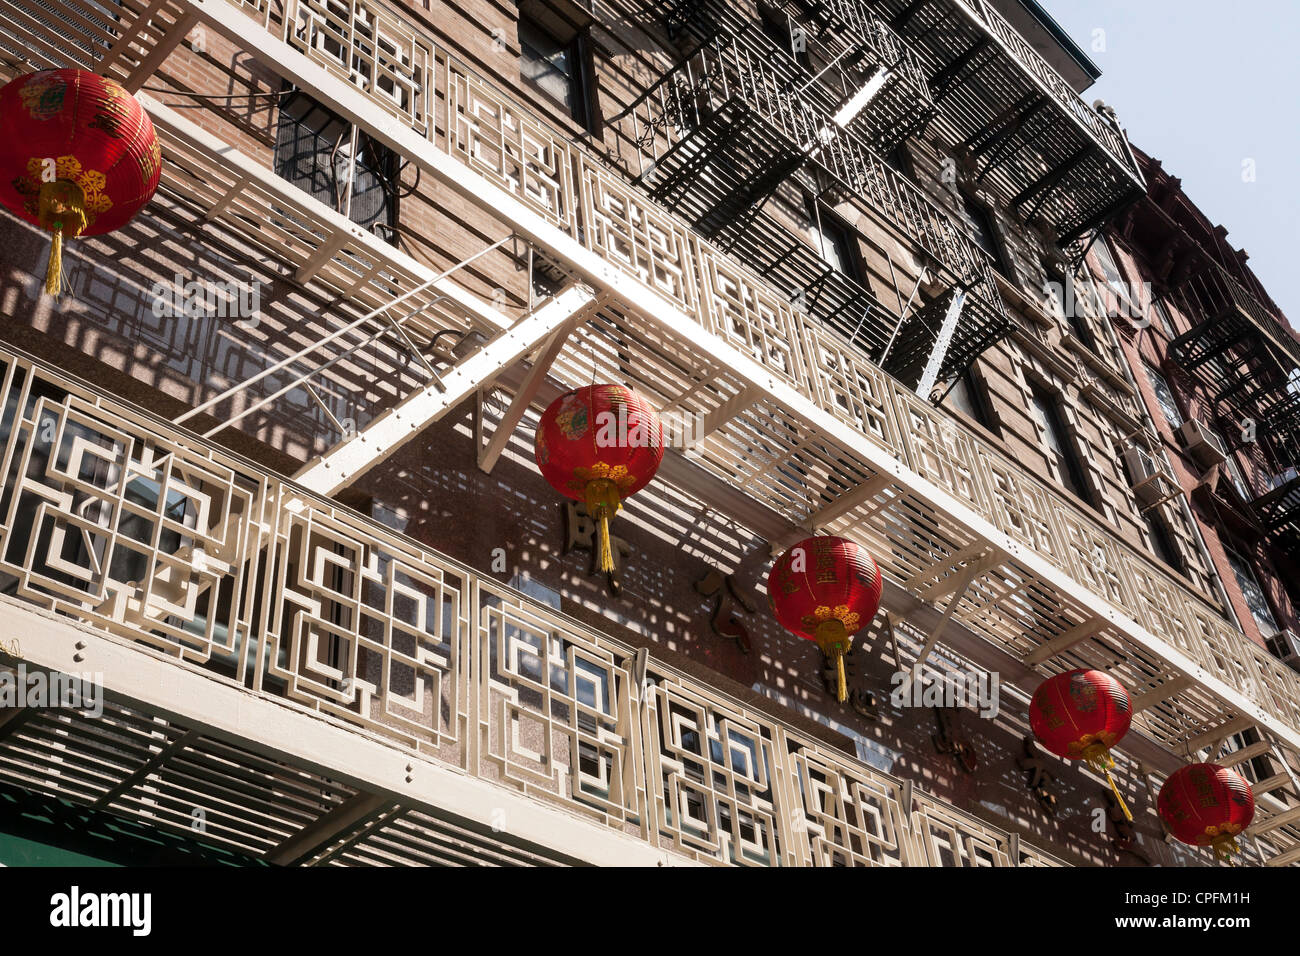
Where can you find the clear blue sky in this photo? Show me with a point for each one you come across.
(1203, 85)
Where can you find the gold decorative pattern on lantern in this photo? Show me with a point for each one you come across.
(840, 612)
(91, 182)
(602, 471)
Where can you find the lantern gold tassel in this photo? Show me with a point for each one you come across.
(54, 270)
(62, 210)
(1224, 847)
(603, 504)
(1100, 760)
(834, 640)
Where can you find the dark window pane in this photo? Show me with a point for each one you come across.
(833, 240)
(1252, 592)
(965, 395)
(1161, 315)
(314, 151)
(547, 62)
(1058, 443)
(1165, 397)
(1162, 541)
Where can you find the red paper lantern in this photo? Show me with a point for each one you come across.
(1080, 715)
(1204, 804)
(78, 156)
(600, 445)
(825, 589)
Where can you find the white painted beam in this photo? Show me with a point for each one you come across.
(1157, 695)
(851, 499)
(351, 459)
(728, 410)
(1248, 752)
(1218, 734)
(962, 582)
(532, 384)
(160, 51)
(951, 564)
(1075, 635)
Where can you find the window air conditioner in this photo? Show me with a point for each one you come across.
(1202, 444)
(1151, 483)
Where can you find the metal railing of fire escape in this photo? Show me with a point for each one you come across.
(1248, 363)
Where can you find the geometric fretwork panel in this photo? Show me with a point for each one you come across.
(951, 838)
(559, 709)
(480, 126)
(846, 818)
(150, 534)
(716, 798)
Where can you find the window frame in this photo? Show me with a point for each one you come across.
(981, 410)
(1239, 563)
(1164, 542)
(580, 76)
(1154, 377)
(985, 225)
(1165, 318)
(369, 160)
(842, 236)
(1119, 285)
(1047, 414)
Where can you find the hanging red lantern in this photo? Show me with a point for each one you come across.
(1080, 715)
(1204, 804)
(826, 589)
(600, 445)
(78, 156)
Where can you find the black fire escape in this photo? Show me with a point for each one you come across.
(1022, 131)
(810, 99)
(1247, 363)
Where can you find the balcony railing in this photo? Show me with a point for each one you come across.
(118, 520)
(1025, 131)
(825, 67)
(734, 69)
(1242, 355)
(1028, 599)
(1279, 512)
(721, 131)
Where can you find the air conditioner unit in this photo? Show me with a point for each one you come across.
(1151, 483)
(1202, 444)
(1286, 645)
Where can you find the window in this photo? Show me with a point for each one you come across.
(833, 240)
(1162, 541)
(337, 163)
(1252, 593)
(1164, 397)
(1164, 318)
(779, 28)
(1065, 460)
(984, 232)
(1070, 306)
(558, 68)
(969, 397)
(900, 162)
(1237, 476)
(1112, 277)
